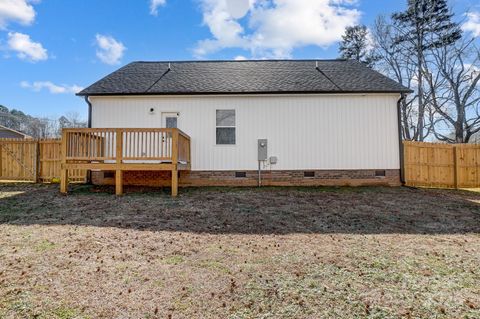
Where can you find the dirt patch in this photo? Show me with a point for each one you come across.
(239, 253)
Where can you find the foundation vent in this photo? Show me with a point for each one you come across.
(240, 174)
(308, 174)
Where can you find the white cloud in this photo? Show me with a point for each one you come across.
(274, 27)
(473, 23)
(109, 51)
(238, 8)
(51, 87)
(240, 58)
(16, 11)
(154, 4)
(26, 49)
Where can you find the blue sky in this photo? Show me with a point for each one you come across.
(49, 49)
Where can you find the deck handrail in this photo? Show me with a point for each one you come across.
(126, 144)
(124, 149)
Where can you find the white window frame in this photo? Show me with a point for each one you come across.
(224, 126)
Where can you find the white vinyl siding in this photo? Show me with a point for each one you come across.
(305, 132)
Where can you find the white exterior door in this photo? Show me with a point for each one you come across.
(170, 120)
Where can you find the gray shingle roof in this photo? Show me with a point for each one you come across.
(244, 77)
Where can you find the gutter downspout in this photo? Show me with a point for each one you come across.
(400, 139)
(89, 112)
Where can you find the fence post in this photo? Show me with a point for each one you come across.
(37, 160)
(455, 166)
(64, 171)
(1, 159)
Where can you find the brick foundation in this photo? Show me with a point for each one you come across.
(269, 178)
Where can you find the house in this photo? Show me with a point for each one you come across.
(269, 122)
(6, 132)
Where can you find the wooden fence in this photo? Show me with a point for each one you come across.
(426, 164)
(442, 165)
(33, 160)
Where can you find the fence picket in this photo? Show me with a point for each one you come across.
(442, 165)
(33, 160)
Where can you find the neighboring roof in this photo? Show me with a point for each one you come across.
(13, 132)
(244, 77)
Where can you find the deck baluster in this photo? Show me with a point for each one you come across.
(124, 149)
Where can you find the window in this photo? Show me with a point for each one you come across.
(171, 122)
(170, 119)
(225, 127)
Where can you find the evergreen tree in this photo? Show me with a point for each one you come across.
(426, 24)
(355, 46)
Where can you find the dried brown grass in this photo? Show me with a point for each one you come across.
(239, 253)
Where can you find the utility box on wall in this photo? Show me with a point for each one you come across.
(262, 149)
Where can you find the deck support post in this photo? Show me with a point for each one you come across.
(63, 180)
(118, 182)
(119, 156)
(124, 149)
(175, 163)
(174, 183)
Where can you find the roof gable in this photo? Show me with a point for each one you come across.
(6, 132)
(244, 77)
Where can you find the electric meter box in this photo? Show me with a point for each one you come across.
(262, 149)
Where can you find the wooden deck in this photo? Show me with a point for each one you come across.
(125, 149)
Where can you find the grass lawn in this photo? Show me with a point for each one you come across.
(239, 253)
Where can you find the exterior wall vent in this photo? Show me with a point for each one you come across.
(380, 173)
(309, 174)
(240, 174)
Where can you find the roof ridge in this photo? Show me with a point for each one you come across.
(243, 61)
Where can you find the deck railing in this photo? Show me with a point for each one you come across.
(129, 145)
(123, 149)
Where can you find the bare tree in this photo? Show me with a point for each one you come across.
(397, 61)
(455, 91)
(70, 120)
(425, 24)
(38, 127)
